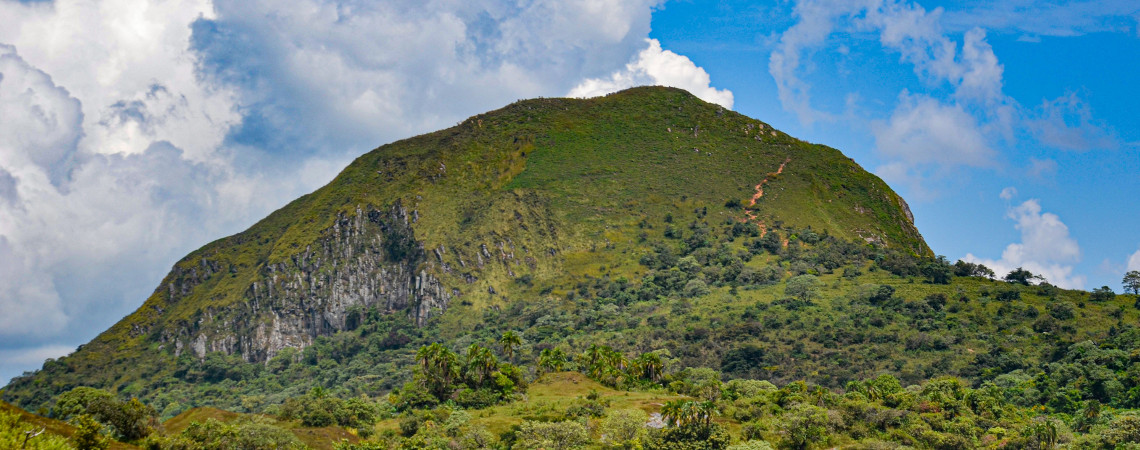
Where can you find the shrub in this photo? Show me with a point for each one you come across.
(552, 435)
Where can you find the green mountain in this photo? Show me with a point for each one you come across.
(552, 190)
(646, 220)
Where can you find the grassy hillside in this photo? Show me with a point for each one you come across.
(554, 190)
(647, 221)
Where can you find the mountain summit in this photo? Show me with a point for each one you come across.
(508, 206)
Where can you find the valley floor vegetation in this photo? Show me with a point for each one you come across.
(730, 339)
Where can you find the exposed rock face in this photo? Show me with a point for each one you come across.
(369, 259)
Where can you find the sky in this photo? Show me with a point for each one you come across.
(132, 132)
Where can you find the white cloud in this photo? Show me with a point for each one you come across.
(1134, 261)
(923, 130)
(1008, 193)
(323, 76)
(40, 121)
(129, 64)
(1045, 249)
(655, 66)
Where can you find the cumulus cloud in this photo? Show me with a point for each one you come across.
(1134, 261)
(325, 76)
(1046, 248)
(40, 121)
(655, 66)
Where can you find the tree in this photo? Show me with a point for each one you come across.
(1022, 276)
(802, 287)
(648, 366)
(551, 360)
(968, 269)
(439, 368)
(1132, 282)
(624, 427)
(805, 425)
(1102, 294)
(510, 341)
(937, 271)
(129, 420)
(481, 362)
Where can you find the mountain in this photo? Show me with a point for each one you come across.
(514, 205)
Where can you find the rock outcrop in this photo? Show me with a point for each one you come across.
(368, 259)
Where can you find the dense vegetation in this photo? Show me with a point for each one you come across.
(619, 244)
(551, 192)
(800, 341)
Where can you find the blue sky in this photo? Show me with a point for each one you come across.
(132, 132)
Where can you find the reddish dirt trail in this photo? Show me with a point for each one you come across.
(751, 216)
(760, 187)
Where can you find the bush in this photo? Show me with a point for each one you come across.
(477, 399)
(89, 434)
(690, 437)
(249, 434)
(695, 288)
(804, 425)
(552, 435)
(623, 427)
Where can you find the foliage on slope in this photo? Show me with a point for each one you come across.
(568, 185)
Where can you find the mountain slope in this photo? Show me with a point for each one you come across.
(548, 191)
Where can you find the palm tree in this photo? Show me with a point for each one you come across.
(681, 413)
(439, 367)
(551, 360)
(510, 341)
(673, 412)
(704, 412)
(648, 366)
(481, 363)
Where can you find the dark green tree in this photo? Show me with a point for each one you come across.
(1102, 294)
(1132, 282)
(439, 369)
(1022, 276)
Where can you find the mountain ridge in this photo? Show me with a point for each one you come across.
(543, 189)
